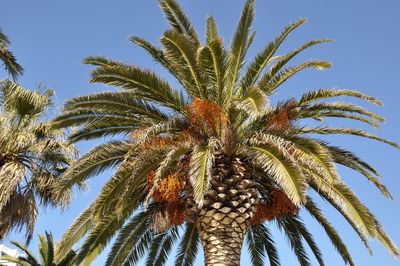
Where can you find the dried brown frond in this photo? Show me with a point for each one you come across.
(278, 205)
(168, 214)
(282, 117)
(177, 212)
(18, 214)
(161, 220)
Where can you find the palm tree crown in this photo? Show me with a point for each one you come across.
(215, 154)
(7, 57)
(47, 254)
(32, 157)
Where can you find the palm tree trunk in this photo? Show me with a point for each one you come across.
(228, 208)
(221, 240)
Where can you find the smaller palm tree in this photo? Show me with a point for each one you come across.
(32, 157)
(46, 251)
(7, 57)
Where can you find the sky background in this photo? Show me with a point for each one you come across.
(50, 38)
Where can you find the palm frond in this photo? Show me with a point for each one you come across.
(265, 57)
(188, 247)
(211, 29)
(283, 60)
(180, 51)
(349, 219)
(123, 102)
(213, 60)
(333, 235)
(201, 162)
(8, 58)
(165, 247)
(321, 94)
(156, 53)
(94, 162)
(269, 85)
(75, 232)
(143, 84)
(347, 131)
(344, 107)
(259, 241)
(301, 228)
(178, 19)
(133, 238)
(285, 172)
(348, 159)
(295, 240)
(239, 45)
(254, 102)
(350, 204)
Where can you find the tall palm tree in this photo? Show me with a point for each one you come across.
(214, 154)
(7, 57)
(32, 157)
(47, 254)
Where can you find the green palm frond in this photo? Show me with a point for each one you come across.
(213, 60)
(283, 60)
(180, 51)
(75, 232)
(346, 158)
(321, 94)
(8, 59)
(259, 241)
(265, 57)
(98, 160)
(211, 29)
(344, 197)
(302, 229)
(156, 53)
(286, 173)
(143, 84)
(333, 235)
(47, 254)
(254, 102)
(295, 240)
(239, 45)
(166, 241)
(30, 258)
(178, 20)
(200, 171)
(344, 107)
(132, 240)
(187, 249)
(347, 131)
(269, 85)
(123, 102)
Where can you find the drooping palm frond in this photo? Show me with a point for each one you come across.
(187, 250)
(330, 231)
(8, 59)
(259, 241)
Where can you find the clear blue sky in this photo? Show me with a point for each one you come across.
(50, 38)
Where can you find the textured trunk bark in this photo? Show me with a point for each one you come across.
(222, 243)
(229, 206)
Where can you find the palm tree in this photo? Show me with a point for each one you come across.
(32, 157)
(47, 254)
(214, 155)
(8, 59)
